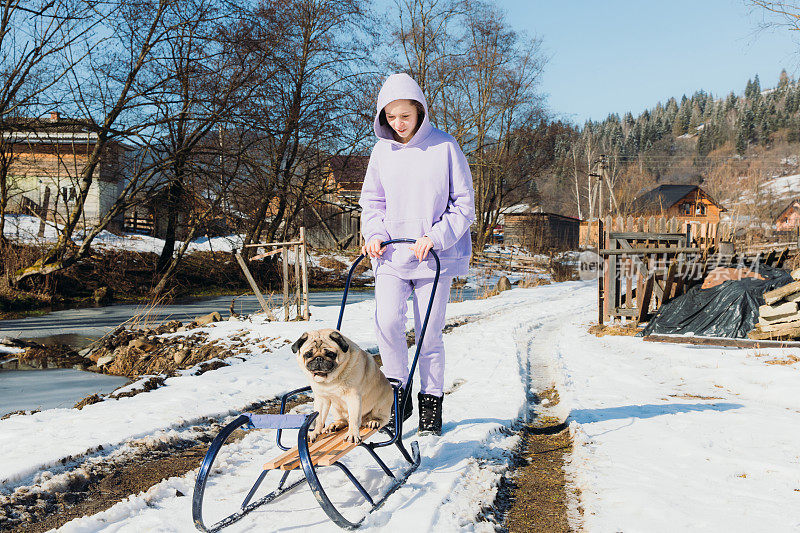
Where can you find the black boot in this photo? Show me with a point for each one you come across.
(430, 414)
(407, 412)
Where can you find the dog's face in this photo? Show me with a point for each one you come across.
(320, 353)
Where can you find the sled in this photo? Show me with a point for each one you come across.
(326, 451)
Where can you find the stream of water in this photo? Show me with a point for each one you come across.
(46, 389)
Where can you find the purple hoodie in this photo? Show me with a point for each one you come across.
(423, 187)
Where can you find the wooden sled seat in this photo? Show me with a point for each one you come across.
(325, 451)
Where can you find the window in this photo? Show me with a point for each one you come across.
(701, 209)
(685, 209)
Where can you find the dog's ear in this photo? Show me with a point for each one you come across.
(338, 339)
(299, 342)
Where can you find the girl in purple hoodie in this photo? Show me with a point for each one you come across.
(418, 185)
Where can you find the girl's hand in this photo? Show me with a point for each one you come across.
(422, 247)
(373, 248)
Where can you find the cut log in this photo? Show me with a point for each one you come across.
(721, 341)
(796, 274)
(786, 331)
(768, 328)
(793, 297)
(775, 311)
(778, 320)
(775, 295)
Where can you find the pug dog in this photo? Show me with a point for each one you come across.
(346, 377)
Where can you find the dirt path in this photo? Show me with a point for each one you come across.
(90, 489)
(538, 489)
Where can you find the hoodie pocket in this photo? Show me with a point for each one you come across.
(410, 228)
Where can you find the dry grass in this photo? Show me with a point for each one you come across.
(532, 281)
(788, 360)
(538, 499)
(686, 396)
(487, 291)
(784, 359)
(334, 264)
(602, 329)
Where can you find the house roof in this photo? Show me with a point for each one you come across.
(793, 204)
(665, 196)
(56, 130)
(348, 170)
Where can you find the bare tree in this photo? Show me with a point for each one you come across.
(36, 38)
(205, 82)
(109, 91)
(311, 108)
(480, 78)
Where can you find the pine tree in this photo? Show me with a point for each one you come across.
(783, 80)
(730, 102)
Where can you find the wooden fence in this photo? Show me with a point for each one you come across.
(703, 234)
(647, 262)
(300, 252)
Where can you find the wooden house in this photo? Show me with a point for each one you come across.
(541, 232)
(789, 219)
(335, 220)
(46, 158)
(687, 203)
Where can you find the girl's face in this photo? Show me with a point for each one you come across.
(402, 117)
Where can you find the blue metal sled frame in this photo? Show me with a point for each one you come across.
(303, 423)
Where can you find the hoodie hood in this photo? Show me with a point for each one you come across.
(401, 87)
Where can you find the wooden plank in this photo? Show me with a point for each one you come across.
(285, 283)
(613, 286)
(341, 450)
(644, 303)
(646, 235)
(297, 284)
(629, 283)
(648, 251)
(316, 449)
(292, 454)
(621, 311)
(784, 309)
(278, 244)
(774, 295)
(266, 254)
(721, 341)
(789, 331)
(792, 321)
(252, 282)
(669, 282)
(781, 257)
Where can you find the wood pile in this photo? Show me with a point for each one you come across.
(779, 318)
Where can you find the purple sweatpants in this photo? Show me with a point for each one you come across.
(391, 295)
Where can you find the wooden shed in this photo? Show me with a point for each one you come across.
(541, 232)
(684, 202)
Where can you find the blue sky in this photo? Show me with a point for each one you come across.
(617, 56)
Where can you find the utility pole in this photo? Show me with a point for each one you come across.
(598, 172)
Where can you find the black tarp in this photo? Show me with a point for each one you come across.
(727, 310)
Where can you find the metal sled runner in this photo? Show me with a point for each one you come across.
(327, 450)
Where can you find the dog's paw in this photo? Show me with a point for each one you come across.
(353, 436)
(374, 424)
(314, 435)
(336, 426)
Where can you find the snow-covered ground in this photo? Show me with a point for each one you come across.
(782, 186)
(667, 437)
(24, 228)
